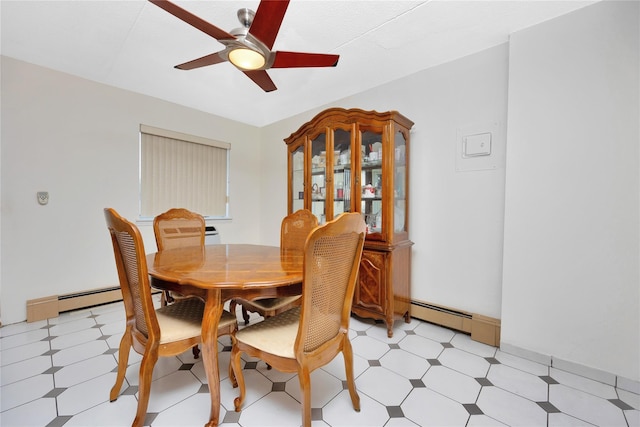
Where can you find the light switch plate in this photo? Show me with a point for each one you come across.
(480, 146)
(43, 197)
(477, 145)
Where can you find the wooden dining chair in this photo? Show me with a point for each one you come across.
(167, 331)
(309, 336)
(294, 230)
(177, 228)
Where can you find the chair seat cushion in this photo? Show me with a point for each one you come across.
(275, 335)
(183, 319)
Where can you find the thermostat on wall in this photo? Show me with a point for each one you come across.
(43, 197)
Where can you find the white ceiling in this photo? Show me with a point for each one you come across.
(134, 45)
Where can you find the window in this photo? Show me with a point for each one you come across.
(178, 170)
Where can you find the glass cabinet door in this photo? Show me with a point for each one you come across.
(400, 184)
(371, 181)
(319, 177)
(341, 171)
(297, 178)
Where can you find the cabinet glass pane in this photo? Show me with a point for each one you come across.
(341, 172)
(319, 177)
(297, 178)
(400, 183)
(371, 180)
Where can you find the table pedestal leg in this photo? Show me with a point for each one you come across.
(211, 318)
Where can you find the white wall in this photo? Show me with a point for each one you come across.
(571, 287)
(78, 140)
(456, 217)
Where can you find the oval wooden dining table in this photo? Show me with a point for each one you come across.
(217, 273)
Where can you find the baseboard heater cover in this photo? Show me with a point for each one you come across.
(52, 306)
(481, 328)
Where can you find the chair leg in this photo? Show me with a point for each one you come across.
(166, 298)
(347, 353)
(196, 352)
(232, 375)
(232, 306)
(245, 316)
(304, 376)
(239, 379)
(123, 361)
(144, 387)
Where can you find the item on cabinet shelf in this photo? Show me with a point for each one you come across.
(344, 157)
(317, 193)
(374, 222)
(373, 156)
(339, 190)
(369, 220)
(368, 191)
(319, 161)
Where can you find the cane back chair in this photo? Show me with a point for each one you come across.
(294, 230)
(177, 228)
(167, 331)
(309, 336)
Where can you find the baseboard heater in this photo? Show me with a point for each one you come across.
(52, 306)
(481, 328)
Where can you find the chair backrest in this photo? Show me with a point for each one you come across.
(331, 261)
(177, 228)
(295, 229)
(131, 262)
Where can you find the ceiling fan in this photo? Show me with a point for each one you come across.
(249, 47)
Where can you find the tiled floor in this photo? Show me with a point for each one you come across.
(59, 372)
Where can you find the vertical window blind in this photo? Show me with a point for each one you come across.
(182, 171)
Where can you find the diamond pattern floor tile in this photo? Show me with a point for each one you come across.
(395, 389)
(59, 372)
(519, 382)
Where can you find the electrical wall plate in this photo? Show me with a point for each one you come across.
(476, 145)
(480, 146)
(43, 197)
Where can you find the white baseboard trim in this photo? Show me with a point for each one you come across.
(574, 368)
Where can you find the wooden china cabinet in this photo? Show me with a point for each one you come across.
(358, 161)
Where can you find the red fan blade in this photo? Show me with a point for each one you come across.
(262, 79)
(193, 20)
(300, 59)
(266, 23)
(214, 58)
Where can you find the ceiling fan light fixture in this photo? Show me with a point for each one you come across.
(247, 59)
